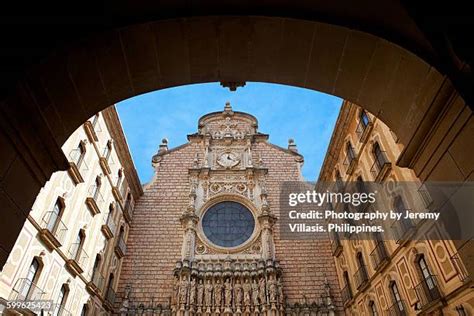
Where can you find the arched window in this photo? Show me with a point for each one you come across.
(360, 185)
(62, 298)
(372, 308)
(110, 293)
(346, 279)
(108, 150)
(55, 215)
(361, 275)
(397, 299)
(425, 273)
(364, 118)
(398, 204)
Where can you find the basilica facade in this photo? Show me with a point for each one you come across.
(204, 240)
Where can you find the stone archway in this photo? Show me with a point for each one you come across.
(412, 97)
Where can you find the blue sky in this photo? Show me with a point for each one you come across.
(283, 112)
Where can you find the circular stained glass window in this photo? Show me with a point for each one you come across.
(228, 224)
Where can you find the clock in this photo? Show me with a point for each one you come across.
(228, 160)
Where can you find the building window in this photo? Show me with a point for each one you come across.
(95, 120)
(360, 185)
(425, 273)
(461, 311)
(96, 268)
(108, 150)
(339, 183)
(119, 178)
(85, 310)
(228, 224)
(96, 188)
(364, 118)
(78, 245)
(63, 294)
(55, 215)
(373, 308)
(350, 152)
(31, 278)
(396, 297)
(80, 153)
(379, 156)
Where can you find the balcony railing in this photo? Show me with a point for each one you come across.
(25, 289)
(336, 245)
(108, 228)
(363, 130)
(361, 277)
(401, 229)
(346, 294)
(121, 247)
(427, 291)
(123, 188)
(95, 200)
(96, 283)
(61, 311)
(379, 255)
(109, 298)
(77, 165)
(381, 167)
(53, 230)
(397, 309)
(460, 268)
(77, 259)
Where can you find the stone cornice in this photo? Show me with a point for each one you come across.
(114, 127)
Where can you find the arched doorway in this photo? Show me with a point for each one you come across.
(418, 103)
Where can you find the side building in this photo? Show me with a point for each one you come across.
(416, 271)
(70, 249)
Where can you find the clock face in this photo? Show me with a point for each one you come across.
(228, 160)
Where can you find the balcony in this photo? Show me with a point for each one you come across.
(363, 131)
(397, 309)
(361, 278)
(402, 230)
(336, 245)
(379, 256)
(120, 248)
(25, 290)
(350, 162)
(460, 268)
(128, 211)
(381, 167)
(77, 259)
(94, 200)
(52, 230)
(60, 311)
(77, 166)
(108, 228)
(427, 292)
(346, 294)
(109, 298)
(96, 283)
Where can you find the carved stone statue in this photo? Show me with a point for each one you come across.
(272, 290)
(200, 293)
(238, 293)
(228, 293)
(183, 289)
(192, 292)
(262, 290)
(247, 288)
(208, 295)
(218, 293)
(255, 292)
(281, 298)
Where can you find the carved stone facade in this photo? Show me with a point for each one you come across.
(227, 210)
